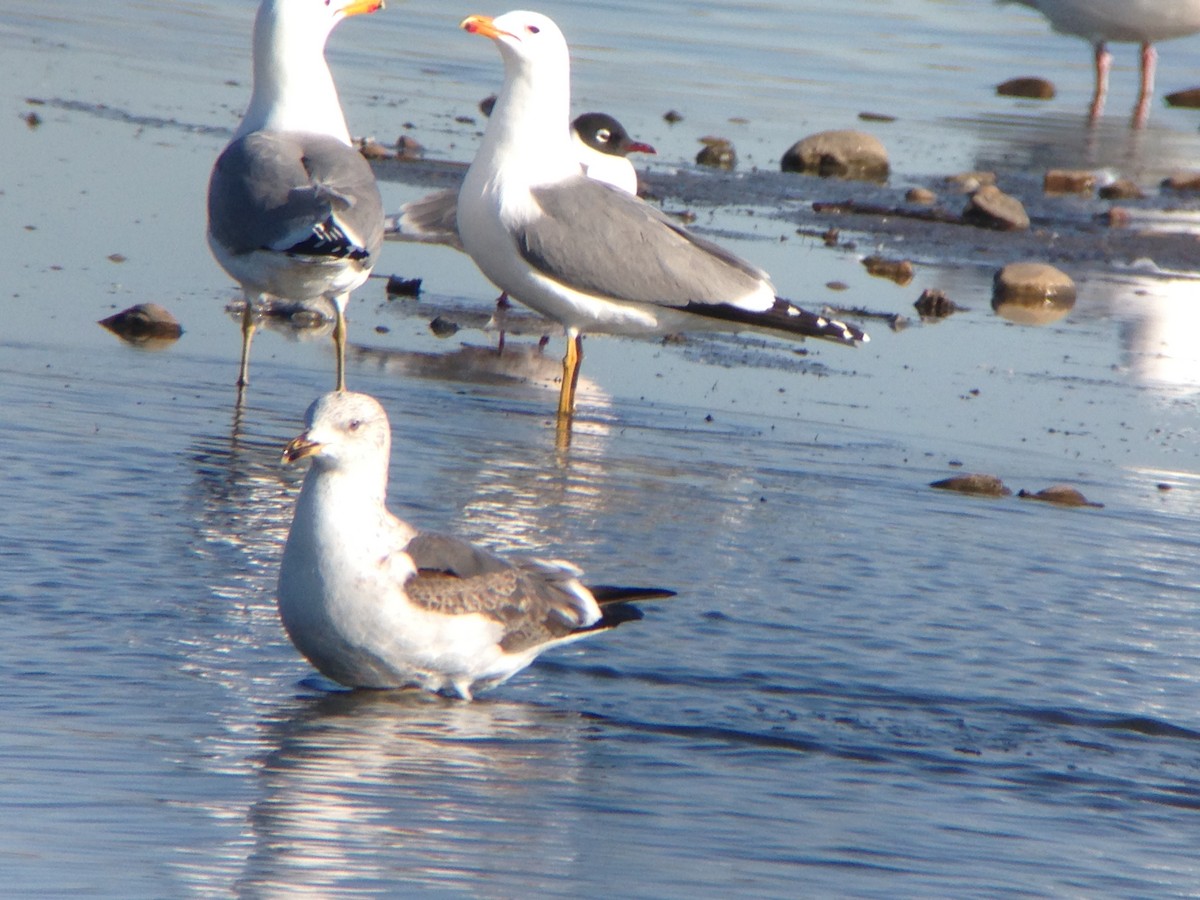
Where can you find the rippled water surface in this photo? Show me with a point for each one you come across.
(864, 688)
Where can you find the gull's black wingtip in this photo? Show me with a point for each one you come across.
(610, 593)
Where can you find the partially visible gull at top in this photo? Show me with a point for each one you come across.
(1142, 22)
(583, 253)
(374, 603)
(293, 209)
(602, 146)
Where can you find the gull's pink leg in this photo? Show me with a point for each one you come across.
(1103, 64)
(1141, 112)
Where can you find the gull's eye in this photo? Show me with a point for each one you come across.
(355, 424)
(604, 135)
(532, 29)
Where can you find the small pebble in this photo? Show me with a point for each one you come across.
(897, 270)
(921, 196)
(1029, 87)
(717, 152)
(671, 117)
(1184, 182)
(1069, 181)
(934, 304)
(968, 182)
(372, 149)
(442, 327)
(1121, 189)
(403, 287)
(1188, 99)
(409, 147)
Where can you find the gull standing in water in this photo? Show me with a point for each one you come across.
(373, 603)
(293, 208)
(1123, 21)
(581, 252)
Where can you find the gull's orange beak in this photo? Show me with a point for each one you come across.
(484, 25)
(358, 7)
(300, 447)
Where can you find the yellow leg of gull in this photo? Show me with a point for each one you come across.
(570, 376)
(339, 341)
(247, 337)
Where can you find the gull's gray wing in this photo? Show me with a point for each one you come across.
(432, 219)
(599, 240)
(536, 602)
(303, 194)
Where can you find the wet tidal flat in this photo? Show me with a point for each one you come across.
(866, 686)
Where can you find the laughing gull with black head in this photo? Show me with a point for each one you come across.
(580, 252)
(293, 208)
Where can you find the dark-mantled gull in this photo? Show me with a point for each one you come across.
(293, 208)
(1142, 22)
(580, 252)
(602, 146)
(373, 603)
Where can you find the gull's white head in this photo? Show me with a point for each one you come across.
(293, 89)
(526, 40)
(304, 24)
(343, 430)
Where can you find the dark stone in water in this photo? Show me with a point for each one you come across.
(403, 287)
(1069, 181)
(1031, 87)
(934, 304)
(442, 327)
(897, 270)
(718, 152)
(1189, 99)
(990, 207)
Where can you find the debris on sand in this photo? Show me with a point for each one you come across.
(977, 484)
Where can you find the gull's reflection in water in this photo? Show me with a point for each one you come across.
(1160, 319)
(361, 791)
(518, 364)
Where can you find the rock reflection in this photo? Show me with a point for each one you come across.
(363, 790)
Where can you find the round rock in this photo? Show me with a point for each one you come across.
(1032, 293)
(844, 153)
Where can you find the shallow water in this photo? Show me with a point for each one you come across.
(865, 687)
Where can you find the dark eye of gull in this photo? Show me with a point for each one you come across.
(355, 424)
(604, 135)
(532, 29)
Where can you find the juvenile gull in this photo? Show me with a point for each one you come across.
(293, 208)
(602, 146)
(1123, 21)
(580, 252)
(373, 603)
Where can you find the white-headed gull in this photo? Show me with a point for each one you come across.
(293, 208)
(373, 603)
(578, 251)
